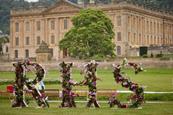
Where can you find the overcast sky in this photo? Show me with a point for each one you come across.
(31, 0)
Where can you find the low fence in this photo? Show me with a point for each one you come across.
(102, 92)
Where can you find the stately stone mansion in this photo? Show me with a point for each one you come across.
(134, 26)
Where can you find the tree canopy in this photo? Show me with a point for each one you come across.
(91, 35)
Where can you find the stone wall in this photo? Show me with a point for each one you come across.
(43, 57)
(147, 63)
(158, 50)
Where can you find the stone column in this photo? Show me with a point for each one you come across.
(21, 40)
(21, 33)
(124, 31)
(11, 40)
(130, 29)
(45, 30)
(55, 49)
(32, 33)
(59, 36)
(144, 31)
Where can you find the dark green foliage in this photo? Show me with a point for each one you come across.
(5, 82)
(153, 4)
(145, 56)
(165, 58)
(7, 5)
(152, 55)
(159, 55)
(91, 35)
(148, 97)
(4, 39)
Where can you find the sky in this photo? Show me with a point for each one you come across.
(31, 0)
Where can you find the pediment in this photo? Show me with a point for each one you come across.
(63, 6)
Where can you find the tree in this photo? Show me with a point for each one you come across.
(91, 35)
(3, 40)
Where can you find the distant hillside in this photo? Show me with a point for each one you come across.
(7, 5)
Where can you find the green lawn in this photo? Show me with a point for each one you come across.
(154, 79)
(148, 109)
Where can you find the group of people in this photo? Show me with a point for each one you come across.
(68, 96)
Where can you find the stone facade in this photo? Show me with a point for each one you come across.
(134, 27)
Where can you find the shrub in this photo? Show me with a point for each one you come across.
(159, 55)
(165, 58)
(145, 56)
(152, 55)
